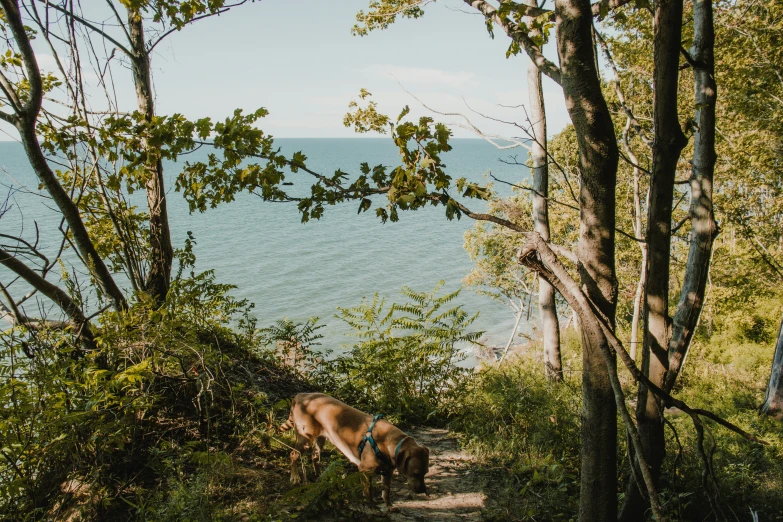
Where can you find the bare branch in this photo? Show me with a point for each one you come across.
(26, 125)
(10, 93)
(56, 294)
(634, 122)
(89, 25)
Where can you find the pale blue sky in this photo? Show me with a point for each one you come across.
(298, 59)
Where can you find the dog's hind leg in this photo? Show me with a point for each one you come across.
(296, 454)
(318, 447)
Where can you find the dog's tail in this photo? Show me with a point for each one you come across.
(288, 424)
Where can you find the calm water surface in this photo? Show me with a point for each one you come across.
(295, 270)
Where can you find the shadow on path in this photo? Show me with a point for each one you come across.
(455, 490)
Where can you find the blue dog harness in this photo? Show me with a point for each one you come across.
(378, 453)
(368, 438)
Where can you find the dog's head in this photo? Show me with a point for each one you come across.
(413, 462)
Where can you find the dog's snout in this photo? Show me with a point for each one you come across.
(417, 486)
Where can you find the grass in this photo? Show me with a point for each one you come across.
(525, 434)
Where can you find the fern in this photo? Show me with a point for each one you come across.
(405, 362)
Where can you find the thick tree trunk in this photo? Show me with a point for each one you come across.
(598, 156)
(668, 143)
(704, 229)
(80, 324)
(25, 124)
(161, 251)
(773, 401)
(547, 309)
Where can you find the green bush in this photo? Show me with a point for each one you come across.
(524, 432)
(405, 363)
(174, 395)
(337, 490)
(727, 374)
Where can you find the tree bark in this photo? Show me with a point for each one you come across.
(704, 229)
(547, 309)
(598, 157)
(668, 143)
(773, 400)
(26, 121)
(161, 251)
(513, 333)
(638, 230)
(81, 326)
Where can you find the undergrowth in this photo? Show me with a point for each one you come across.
(525, 431)
(173, 417)
(165, 421)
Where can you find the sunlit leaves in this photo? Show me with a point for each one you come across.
(382, 13)
(366, 119)
(178, 13)
(421, 176)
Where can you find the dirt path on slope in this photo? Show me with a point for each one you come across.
(455, 490)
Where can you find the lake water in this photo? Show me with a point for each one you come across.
(295, 270)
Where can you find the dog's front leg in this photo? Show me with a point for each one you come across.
(318, 447)
(296, 478)
(296, 455)
(367, 477)
(387, 478)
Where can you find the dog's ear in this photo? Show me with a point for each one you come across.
(402, 460)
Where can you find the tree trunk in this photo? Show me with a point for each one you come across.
(161, 251)
(25, 124)
(668, 143)
(547, 309)
(598, 156)
(81, 326)
(704, 229)
(773, 401)
(637, 304)
(513, 333)
(638, 230)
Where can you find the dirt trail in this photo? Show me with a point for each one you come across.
(455, 489)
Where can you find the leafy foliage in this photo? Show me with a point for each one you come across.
(146, 426)
(338, 488)
(294, 344)
(406, 361)
(382, 13)
(421, 177)
(512, 419)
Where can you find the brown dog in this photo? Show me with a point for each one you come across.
(318, 417)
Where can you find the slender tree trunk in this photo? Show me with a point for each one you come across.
(161, 251)
(598, 156)
(668, 143)
(550, 327)
(25, 124)
(704, 229)
(637, 304)
(773, 400)
(513, 333)
(81, 326)
(638, 230)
